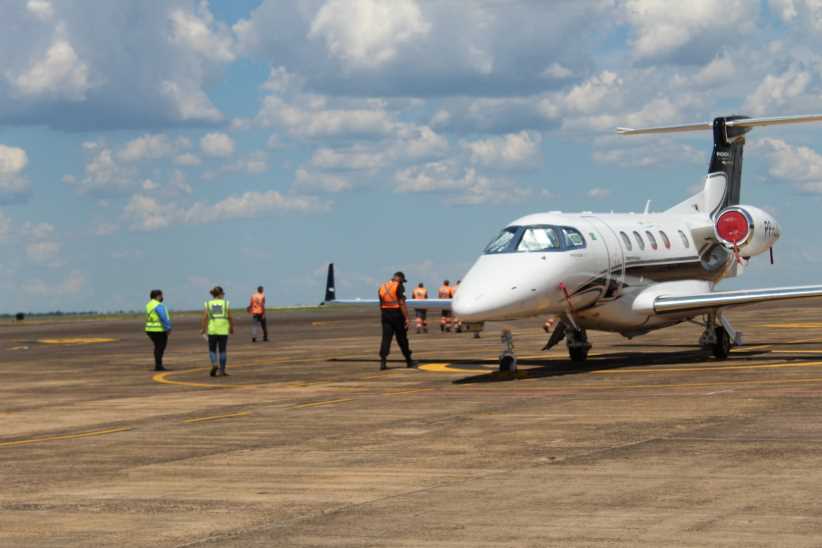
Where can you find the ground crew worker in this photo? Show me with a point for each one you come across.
(218, 324)
(158, 326)
(421, 314)
(394, 318)
(256, 307)
(445, 292)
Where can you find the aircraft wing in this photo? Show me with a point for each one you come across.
(331, 297)
(720, 299)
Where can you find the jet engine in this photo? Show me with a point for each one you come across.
(747, 230)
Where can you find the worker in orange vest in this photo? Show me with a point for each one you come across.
(445, 292)
(256, 307)
(421, 314)
(394, 318)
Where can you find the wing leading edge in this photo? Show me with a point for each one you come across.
(718, 299)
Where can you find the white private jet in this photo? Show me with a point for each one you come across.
(627, 273)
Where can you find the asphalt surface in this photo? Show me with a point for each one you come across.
(651, 443)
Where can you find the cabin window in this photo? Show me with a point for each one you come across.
(626, 241)
(573, 238)
(684, 239)
(651, 239)
(639, 241)
(665, 239)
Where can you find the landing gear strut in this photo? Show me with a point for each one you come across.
(507, 359)
(578, 345)
(719, 336)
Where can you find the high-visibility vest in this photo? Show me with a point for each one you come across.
(218, 323)
(257, 303)
(153, 323)
(389, 300)
(446, 292)
(420, 293)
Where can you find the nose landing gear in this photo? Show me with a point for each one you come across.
(578, 345)
(507, 359)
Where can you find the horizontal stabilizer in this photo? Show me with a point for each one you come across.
(664, 129)
(433, 304)
(740, 122)
(719, 299)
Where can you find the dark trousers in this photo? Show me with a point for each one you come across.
(160, 340)
(393, 325)
(260, 319)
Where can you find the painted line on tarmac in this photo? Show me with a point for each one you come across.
(411, 391)
(162, 378)
(64, 437)
(795, 325)
(76, 341)
(321, 403)
(217, 417)
(708, 368)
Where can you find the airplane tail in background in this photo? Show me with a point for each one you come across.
(330, 289)
(726, 158)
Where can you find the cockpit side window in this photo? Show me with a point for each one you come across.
(573, 237)
(539, 238)
(504, 242)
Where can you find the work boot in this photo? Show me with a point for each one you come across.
(411, 364)
(442, 328)
(161, 368)
(425, 330)
(383, 364)
(253, 339)
(222, 373)
(265, 339)
(418, 331)
(213, 371)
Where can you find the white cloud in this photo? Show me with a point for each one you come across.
(198, 32)
(512, 150)
(464, 185)
(103, 174)
(599, 193)
(217, 144)
(187, 159)
(147, 213)
(44, 252)
(41, 9)
(105, 229)
(41, 245)
(315, 121)
(557, 71)
(146, 147)
(72, 284)
(800, 165)
(189, 103)
(306, 181)
(664, 152)
(13, 185)
(590, 95)
(368, 32)
(59, 74)
(776, 92)
(662, 28)
(349, 160)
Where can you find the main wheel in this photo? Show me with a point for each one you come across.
(722, 346)
(578, 355)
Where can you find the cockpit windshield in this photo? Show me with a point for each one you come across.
(537, 238)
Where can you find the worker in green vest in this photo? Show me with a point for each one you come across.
(218, 324)
(158, 326)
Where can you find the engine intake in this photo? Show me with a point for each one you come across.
(746, 229)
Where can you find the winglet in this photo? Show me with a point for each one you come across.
(330, 290)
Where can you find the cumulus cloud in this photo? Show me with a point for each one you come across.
(187, 159)
(41, 244)
(14, 187)
(104, 175)
(799, 165)
(306, 180)
(72, 284)
(465, 186)
(777, 91)
(146, 213)
(146, 147)
(599, 193)
(59, 74)
(316, 121)
(368, 32)
(217, 145)
(513, 150)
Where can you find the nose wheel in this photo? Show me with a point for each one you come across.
(507, 358)
(578, 345)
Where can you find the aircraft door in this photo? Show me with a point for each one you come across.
(615, 277)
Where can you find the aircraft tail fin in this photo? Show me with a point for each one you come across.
(729, 142)
(330, 289)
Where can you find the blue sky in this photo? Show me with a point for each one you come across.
(188, 143)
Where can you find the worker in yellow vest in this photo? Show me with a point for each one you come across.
(218, 324)
(445, 292)
(394, 318)
(158, 326)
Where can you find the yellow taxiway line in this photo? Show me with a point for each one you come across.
(64, 437)
(217, 417)
(162, 378)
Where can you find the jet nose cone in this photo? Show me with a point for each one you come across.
(467, 302)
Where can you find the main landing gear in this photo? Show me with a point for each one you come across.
(719, 336)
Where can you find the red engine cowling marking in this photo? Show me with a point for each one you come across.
(732, 227)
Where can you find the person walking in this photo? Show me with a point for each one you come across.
(256, 307)
(445, 292)
(394, 318)
(158, 326)
(421, 314)
(217, 322)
